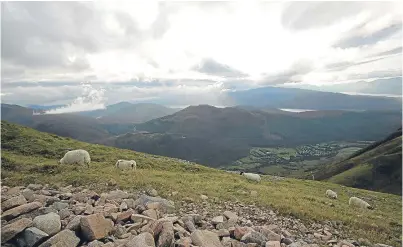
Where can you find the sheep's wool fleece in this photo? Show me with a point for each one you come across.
(78, 156)
(252, 176)
(357, 202)
(331, 194)
(125, 164)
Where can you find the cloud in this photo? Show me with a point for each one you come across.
(91, 99)
(150, 50)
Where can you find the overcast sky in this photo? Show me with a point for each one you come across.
(148, 50)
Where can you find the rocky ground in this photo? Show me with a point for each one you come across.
(39, 215)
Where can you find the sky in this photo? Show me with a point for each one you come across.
(88, 54)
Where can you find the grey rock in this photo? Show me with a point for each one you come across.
(31, 236)
(9, 231)
(60, 205)
(167, 205)
(49, 223)
(74, 224)
(287, 241)
(144, 239)
(205, 238)
(64, 213)
(28, 194)
(65, 238)
(254, 237)
(152, 192)
(95, 243)
(23, 209)
(218, 219)
(95, 226)
(35, 186)
(13, 202)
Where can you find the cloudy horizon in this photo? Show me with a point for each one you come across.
(197, 51)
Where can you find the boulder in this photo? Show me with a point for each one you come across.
(49, 223)
(65, 238)
(9, 231)
(13, 202)
(95, 226)
(22, 209)
(31, 236)
(205, 238)
(144, 239)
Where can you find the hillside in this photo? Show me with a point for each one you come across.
(377, 167)
(278, 97)
(30, 156)
(125, 112)
(249, 127)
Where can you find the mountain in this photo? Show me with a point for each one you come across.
(125, 112)
(277, 97)
(29, 156)
(390, 86)
(69, 125)
(377, 167)
(223, 129)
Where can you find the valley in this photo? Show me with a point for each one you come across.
(294, 162)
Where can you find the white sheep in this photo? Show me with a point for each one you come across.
(331, 194)
(251, 176)
(78, 156)
(126, 164)
(357, 202)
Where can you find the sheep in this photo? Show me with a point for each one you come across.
(357, 202)
(251, 176)
(78, 156)
(126, 164)
(331, 194)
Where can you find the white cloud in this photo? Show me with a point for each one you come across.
(91, 99)
(266, 42)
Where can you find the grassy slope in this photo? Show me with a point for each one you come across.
(377, 167)
(29, 156)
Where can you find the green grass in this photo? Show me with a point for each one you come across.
(29, 156)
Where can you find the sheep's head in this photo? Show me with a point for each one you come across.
(241, 173)
(370, 207)
(59, 162)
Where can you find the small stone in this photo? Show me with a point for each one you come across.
(12, 229)
(49, 223)
(230, 215)
(74, 224)
(28, 194)
(174, 193)
(152, 192)
(95, 243)
(286, 233)
(273, 244)
(254, 237)
(123, 216)
(123, 206)
(203, 197)
(218, 219)
(151, 213)
(34, 186)
(364, 241)
(64, 213)
(287, 241)
(223, 233)
(60, 205)
(89, 209)
(239, 232)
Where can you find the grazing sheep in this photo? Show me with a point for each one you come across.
(331, 194)
(251, 176)
(357, 202)
(78, 156)
(126, 164)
